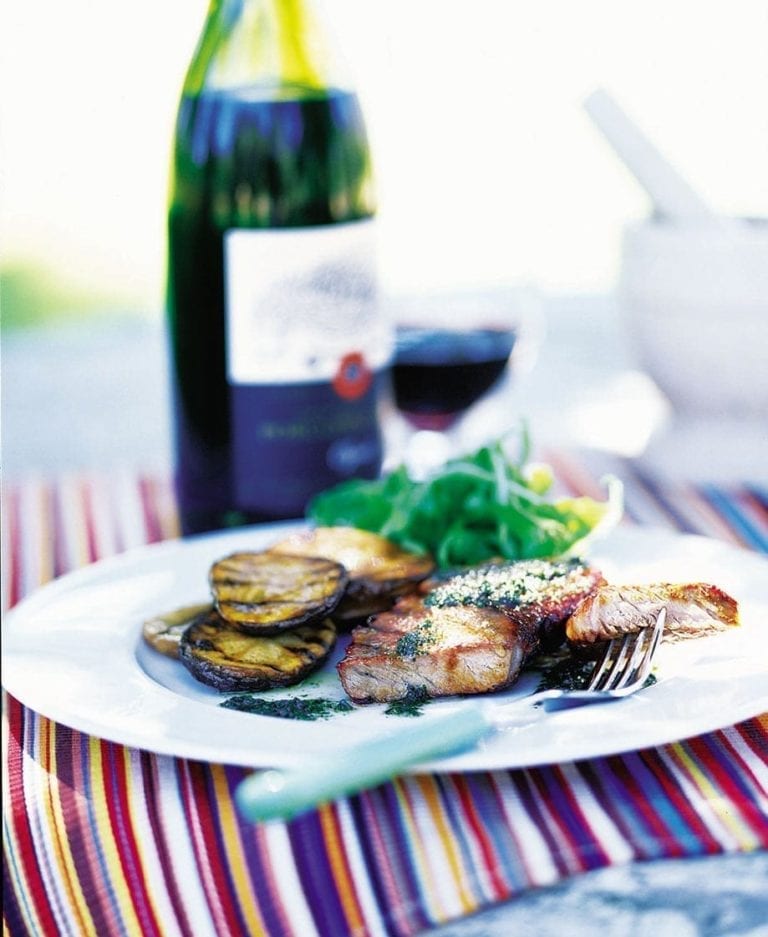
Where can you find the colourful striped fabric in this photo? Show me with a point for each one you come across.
(105, 840)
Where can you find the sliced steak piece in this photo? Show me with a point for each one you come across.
(440, 651)
(470, 634)
(693, 610)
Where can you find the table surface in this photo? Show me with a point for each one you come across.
(56, 389)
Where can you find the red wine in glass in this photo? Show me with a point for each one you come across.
(438, 373)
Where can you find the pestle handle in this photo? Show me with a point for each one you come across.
(672, 196)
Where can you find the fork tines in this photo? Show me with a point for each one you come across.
(627, 660)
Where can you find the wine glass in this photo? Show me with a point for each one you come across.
(452, 350)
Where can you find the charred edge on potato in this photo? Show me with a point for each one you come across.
(264, 593)
(228, 659)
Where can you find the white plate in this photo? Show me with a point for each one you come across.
(73, 651)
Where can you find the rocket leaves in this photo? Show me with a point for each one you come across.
(486, 505)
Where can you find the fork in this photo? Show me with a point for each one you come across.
(622, 670)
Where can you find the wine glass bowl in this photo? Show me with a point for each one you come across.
(438, 373)
(452, 350)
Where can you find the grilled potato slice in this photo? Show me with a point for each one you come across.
(263, 593)
(226, 658)
(163, 632)
(378, 569)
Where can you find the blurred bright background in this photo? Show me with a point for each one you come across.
(488, 169)
(486, 164)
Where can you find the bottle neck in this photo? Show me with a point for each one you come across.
(274, 43)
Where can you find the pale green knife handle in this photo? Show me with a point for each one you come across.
(278, 793)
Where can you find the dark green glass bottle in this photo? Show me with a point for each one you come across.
(276, 345)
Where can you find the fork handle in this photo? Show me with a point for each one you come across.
(285, 793)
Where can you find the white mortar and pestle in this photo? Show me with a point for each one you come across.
(693, 289)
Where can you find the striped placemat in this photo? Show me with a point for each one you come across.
(101, 839)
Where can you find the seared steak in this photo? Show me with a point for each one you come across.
(470, 634)
(440, 651)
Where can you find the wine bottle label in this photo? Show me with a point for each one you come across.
(298, 300)
(290, 441)
(305, 351)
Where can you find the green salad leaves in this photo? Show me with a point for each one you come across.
(490, 504)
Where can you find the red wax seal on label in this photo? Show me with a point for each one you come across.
(353, 377)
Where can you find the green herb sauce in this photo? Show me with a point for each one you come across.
(569, 673)
(417, 641)
(306, 710)
(411, 705)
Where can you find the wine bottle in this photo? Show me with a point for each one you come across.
(277, 348)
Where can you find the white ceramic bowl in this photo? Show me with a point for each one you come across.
(695, 300)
